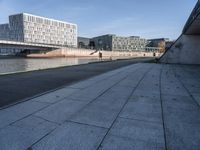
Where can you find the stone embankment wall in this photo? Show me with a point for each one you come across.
(72, 52)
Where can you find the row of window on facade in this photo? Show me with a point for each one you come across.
(59, 34)
(48, 22)
(42, 26)
(49, 30)
(118, 39)
(49, 36)
(69, 42)
(129, 43)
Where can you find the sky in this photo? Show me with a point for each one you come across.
(145, 18)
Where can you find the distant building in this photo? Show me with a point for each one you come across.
(111, 42)
(159, 43)
(84, 42)
(35, 29)
(168, 44)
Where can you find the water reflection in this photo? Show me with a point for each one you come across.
(8, 65)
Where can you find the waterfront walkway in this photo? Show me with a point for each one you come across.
(137, 107)
(21, 86)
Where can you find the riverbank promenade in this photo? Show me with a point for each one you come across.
(143, 106)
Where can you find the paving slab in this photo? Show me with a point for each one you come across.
(181, 115)
(117, 93)
(95, 90)
(174, 90)
(98, 114)
(180, 111)
(104, 110)
(24, 133)
(138, 130)
(142, 111)
(72, 136)
(182, 136)
(61, 111)
(179, 102)
(19, 111)
(197, 98)
(122, 143)
(56, 96)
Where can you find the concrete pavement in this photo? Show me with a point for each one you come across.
(139, 107)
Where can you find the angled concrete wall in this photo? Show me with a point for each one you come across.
(186, 50)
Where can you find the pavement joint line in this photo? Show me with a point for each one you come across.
(30, 147)
(68, 120)
(85, 124)
(187, 90)
(123, 106)
(24, 117)
(161, 104)
(139, 120)
(47, 120)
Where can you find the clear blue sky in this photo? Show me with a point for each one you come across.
(145, 18)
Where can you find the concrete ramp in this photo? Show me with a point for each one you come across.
(186, 50)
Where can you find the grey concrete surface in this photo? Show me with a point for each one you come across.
(139, 107)
(28, 130)
(16, 87)
(184, 51)
(72, 136)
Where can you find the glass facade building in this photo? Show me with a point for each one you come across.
(112, 42)
(35, 29)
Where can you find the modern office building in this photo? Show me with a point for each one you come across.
(112, 42)
(35, 29)
(159, 43)
(84, 42)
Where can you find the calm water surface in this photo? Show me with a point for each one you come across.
(10, 65)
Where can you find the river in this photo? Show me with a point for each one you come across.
(12, 65)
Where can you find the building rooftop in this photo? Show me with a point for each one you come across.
(44, 18)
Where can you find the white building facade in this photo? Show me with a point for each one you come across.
(35, 29)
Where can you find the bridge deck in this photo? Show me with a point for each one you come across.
(141, 106)
(24, 44)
